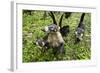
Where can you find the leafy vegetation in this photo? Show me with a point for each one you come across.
(34, 21)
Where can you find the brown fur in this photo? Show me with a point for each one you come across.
(54, 39)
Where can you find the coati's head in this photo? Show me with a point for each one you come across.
(40, 42)
(51, 28)
(79, 33)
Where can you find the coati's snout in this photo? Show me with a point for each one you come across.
(51, 28)
(45, 29)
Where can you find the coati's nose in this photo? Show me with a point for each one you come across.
(45, 29)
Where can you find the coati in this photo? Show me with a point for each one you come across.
(53, 39)
(80, 30)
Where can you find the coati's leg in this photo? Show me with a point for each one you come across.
(61, 49)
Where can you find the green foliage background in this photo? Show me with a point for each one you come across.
(32, 24)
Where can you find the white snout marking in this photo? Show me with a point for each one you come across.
(46, 29)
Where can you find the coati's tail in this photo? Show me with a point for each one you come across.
(60, 22)
(81, 19)
(53, 17)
